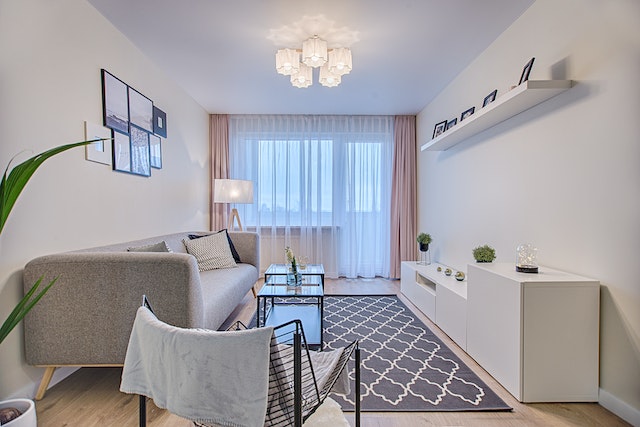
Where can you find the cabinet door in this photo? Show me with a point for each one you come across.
(494, 326)
(451, 315)
(560, 343)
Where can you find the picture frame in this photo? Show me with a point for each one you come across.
(159, 122)
(489, 98)
(439, 128)
(155, 149)
(140, 110)
(100, 151)
(121, 151)
(526, 71)
(451, 123)
(140, 152)
(115, 102)
(466, 113)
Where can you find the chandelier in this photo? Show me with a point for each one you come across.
(333, 63)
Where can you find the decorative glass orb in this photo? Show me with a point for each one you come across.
(527, 258)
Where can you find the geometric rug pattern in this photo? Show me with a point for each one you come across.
(405, 366)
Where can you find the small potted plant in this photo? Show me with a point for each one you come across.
(423, 240)
(484, 253)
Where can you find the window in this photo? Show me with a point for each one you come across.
(318, 172)
(293, 182)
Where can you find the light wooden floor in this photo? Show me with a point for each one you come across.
(90, 396)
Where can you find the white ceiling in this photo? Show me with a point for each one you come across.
(222, 52)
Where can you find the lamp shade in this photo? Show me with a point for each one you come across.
(340, 61)
(232, 191)
(303, 78)
(327, 78)
(314, 52)
(287, 61)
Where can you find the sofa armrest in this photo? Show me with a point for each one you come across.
(87, 316)
(247, 243)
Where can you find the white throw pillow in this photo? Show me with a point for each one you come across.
(211, 252)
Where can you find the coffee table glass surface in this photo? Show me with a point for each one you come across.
(276, 274)
(278, 303)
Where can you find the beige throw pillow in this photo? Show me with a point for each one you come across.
(211, 252)
(155, 247)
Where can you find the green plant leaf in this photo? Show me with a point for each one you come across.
(14, 181)
(11, 185)
(24, 306)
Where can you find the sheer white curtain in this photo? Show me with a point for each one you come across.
(322, 185)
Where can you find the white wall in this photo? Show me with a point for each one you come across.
(563, 175)
(51, 53)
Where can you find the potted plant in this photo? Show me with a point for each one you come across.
(423, 240)
(484, 253)
(21, 412)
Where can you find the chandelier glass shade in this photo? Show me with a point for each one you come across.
(299, 64)
(340, 61)
(327, 78)
(287, 61)
(303, 78)
(314, 52)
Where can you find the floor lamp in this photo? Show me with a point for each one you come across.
(233, 191)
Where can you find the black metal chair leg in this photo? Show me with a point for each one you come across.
(357, 414)
(297, 379)
(142, 410)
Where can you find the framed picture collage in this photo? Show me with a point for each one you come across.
(137, 127)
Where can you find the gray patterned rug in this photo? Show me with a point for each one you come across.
(405, 367)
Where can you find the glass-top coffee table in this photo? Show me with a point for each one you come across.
(276, 274)
(279, 303)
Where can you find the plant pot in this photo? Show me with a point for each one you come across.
(28, 409)
(424, 247)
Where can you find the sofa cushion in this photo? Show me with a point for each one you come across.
(234, 252)
(211, 252)
(154, 247)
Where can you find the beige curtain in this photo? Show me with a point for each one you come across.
(219, 141)
(403, 194)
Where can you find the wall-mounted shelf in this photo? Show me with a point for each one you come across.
(517, 100)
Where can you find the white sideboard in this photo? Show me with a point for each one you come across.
(537, 334)
(441, 298)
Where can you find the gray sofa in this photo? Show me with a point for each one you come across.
(86, 317)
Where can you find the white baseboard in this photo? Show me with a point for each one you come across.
(620, 408)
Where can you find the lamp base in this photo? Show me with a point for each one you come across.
(234, 216)
(526, 269)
